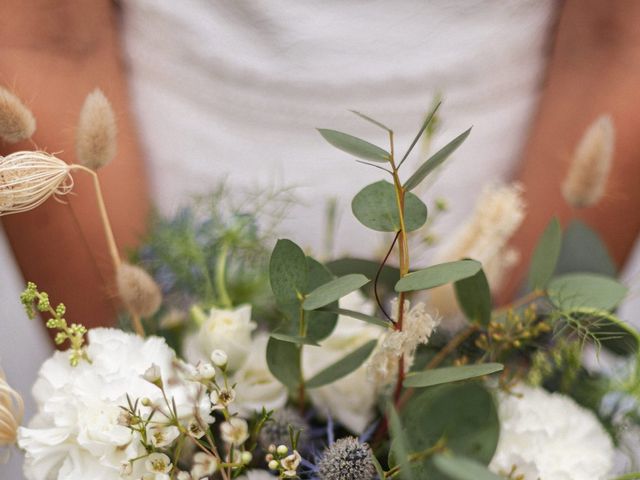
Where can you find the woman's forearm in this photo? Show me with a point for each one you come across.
(594, 69)
(54, 53)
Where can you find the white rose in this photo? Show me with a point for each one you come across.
(352, 399)
(256, 475)
(230, 331)
(256, 387)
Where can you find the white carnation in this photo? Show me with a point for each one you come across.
(256, 387)
(549, 436)
(352, 399)
(76, 433)
(230, 331)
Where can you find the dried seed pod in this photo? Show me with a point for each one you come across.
(587, 177)
(27, 179)
(11, 412)
(16, 120)
(96, 132)
(138, 290)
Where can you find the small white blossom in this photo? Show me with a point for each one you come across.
(162, 436)
(183, 476)
(235, 431)
(203, 465)
(221, 399)
(195, 429)
(158, 463)
(291, 463)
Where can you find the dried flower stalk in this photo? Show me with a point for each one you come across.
(16, 120)
(587, 177)
(11, 412)
(498, 214)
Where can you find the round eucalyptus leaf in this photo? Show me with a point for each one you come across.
(375, 206)
(463, 414)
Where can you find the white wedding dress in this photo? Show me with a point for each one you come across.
(235, 89)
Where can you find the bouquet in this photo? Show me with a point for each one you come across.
(240, 358)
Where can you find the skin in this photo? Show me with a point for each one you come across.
(56, 52)
(594, 69)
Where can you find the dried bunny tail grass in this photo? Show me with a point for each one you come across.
(96, 132)
(587, 178)
(28, 179)
(138, 291)
(11, 412)
(498, 214)
(16, 120)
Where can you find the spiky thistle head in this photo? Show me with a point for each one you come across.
(16, 120)
(28, 179)
(587, 177)
(347, 459)
(276, 430)
(11, 412)
(96, 132)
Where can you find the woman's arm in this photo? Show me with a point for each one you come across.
(54, 52)
(594, 69)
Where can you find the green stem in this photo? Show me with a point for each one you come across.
(221, 267)
(629, 476)
(302, 333)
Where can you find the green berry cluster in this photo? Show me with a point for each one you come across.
(35, 301)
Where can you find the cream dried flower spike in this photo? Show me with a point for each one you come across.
(11, 413)
(586, 181)
(29, 178)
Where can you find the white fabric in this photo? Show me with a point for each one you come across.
(236, 89)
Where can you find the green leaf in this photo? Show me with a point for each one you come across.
(437, 275)
(435, 161)
(288, 272)
(320, 324)
(425, 124)
(294, 339)
(359, 316)
(545, 256)
(438, 376)
(334, 290)
(461, 468)
(342, 367)
(388, 276)
(371, 120)
(375, 207)
(584, 251)
(464, 414)
(378, 467)
(400, 445)
(578, 290)
(474, 297)
(283, 359)
(355, 146)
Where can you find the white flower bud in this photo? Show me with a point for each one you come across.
(246, 458)
(273, 465)
(205, 371)
(153, 375)
(219, 358)
(282, 450)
